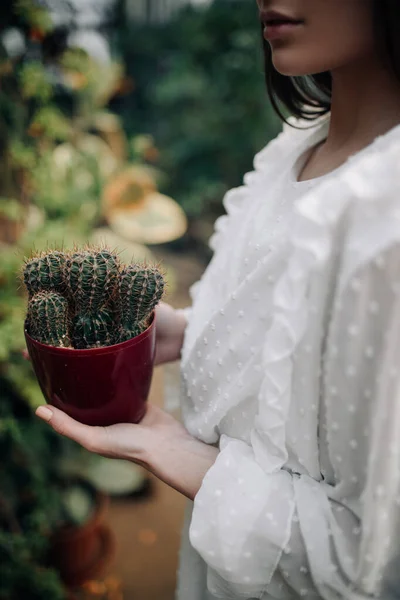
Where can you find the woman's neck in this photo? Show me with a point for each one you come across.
(365, 104)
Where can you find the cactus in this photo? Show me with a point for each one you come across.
(48, 319)
(45, 272)
(91, 278)
(85, 298)
(125, 334)
(139, 291)
(93, 331)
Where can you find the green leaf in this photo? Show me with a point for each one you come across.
(35, 82)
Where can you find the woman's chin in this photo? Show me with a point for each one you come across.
(286, 64)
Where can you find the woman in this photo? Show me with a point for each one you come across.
(291, 444)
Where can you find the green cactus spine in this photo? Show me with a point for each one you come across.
(93, 331)
(48, 319)
(91, 278)
(45, 272)
(126, 334)
(139, 291)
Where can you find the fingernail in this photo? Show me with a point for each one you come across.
(43, 412)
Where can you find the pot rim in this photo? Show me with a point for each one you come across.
(115, 348)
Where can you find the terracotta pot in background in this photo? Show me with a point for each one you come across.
(83, 552)
(99, 386)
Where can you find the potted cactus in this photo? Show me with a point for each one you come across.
(90, 332)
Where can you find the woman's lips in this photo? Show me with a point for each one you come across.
(278, 29)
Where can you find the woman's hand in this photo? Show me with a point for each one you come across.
(159, 443)
(170, 330)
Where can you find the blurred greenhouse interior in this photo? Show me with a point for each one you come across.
(123, 123)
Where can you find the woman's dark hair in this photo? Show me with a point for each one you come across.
(308, 97)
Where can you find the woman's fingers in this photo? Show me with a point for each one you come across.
(94, 439)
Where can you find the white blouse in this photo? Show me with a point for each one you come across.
(291, 366)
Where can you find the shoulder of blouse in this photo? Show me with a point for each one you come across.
(363, 198)
(294, 133)
(266, 163)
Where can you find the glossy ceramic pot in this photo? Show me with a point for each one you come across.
(99, 386)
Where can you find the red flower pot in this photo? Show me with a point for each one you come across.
(99, 386)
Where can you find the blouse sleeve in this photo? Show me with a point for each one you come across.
(257, 528)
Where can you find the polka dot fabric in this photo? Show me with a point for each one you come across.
(291, 366)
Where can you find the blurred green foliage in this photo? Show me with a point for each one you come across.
(45, 200)
(30, 503)
(34, 82)
(200, 91)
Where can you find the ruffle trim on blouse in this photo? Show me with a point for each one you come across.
(233, 201)
(316, 217)
(265, 163)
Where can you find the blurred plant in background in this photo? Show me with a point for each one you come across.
(200, 91)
